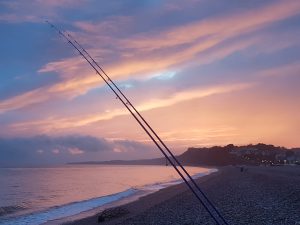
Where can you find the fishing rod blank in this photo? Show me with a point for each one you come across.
(126, 102)
(153, 132)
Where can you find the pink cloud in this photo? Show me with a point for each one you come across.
(150, 53)
(20, 101)
(50, 125)
(219, 27)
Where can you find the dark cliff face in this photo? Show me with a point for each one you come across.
(215, 156)
(237, 155)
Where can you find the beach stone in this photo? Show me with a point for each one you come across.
(112, 213)
(261, 196)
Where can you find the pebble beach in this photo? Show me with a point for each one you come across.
(256, 195)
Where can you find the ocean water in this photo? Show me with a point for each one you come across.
(37, 195)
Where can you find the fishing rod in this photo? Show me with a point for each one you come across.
(146, 123)
(120, 95)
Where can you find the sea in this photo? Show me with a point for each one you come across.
(39, 195)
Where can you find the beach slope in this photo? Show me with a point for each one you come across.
(259, 195)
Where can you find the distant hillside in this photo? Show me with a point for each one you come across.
(214, 156)
(222, 156)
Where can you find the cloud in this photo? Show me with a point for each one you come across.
(20, 101)
(221, 27)
(34, 11)
(209, 136)
(57, 124)
(75, 151)
(30, 150)
(192, 94)
(143, 54)
(109, 26)
(150, 53)
(206, 45)
(283, 70)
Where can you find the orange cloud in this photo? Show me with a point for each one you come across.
(20, 101)
(49, 125)
(192, 94)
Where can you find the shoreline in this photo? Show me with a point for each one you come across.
(143, 202)
(259, 195)
(140, 193)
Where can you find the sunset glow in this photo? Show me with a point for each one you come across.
(202, 73)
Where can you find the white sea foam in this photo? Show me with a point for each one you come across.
(66, 210)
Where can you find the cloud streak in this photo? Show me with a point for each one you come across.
(23, 100)
(54, 124)
(219, 28)
(151, 53)
(30, 150)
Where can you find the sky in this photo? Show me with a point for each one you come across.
(202, 73)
